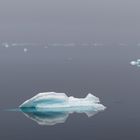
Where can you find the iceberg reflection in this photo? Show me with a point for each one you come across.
(45, 117)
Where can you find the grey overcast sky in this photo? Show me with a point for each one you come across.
(70, 20)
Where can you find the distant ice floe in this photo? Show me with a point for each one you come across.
(135, 63)
(97, 44)
(50, 108)
(69, 45)
(6, 45)
(25, 50)
(62, 44)
(123, 44)
(92, 44)
(24, 44)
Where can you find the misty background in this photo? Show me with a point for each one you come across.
(106, 21)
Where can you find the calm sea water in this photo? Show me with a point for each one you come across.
(104, 71)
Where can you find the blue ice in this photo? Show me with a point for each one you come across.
(50, 108)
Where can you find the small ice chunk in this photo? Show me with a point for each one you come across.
(6, 45)
(97, 44)
(25, 49)
(137, 63)
(133, 63)
(69, 44)
(14, 44)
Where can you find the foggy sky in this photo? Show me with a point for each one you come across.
(70, 20)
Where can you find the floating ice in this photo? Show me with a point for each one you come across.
(137, 63)
(25, 49)
(51, 108)
(62, 44)
(6, 45)
(97, 44)
(69, 45)
(24, 44)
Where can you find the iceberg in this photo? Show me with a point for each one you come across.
(50, 108)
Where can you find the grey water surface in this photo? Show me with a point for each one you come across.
(104, 71)
(75, 47)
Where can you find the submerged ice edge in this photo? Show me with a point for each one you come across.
(51, 108)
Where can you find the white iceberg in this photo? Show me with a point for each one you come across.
(50, 108)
